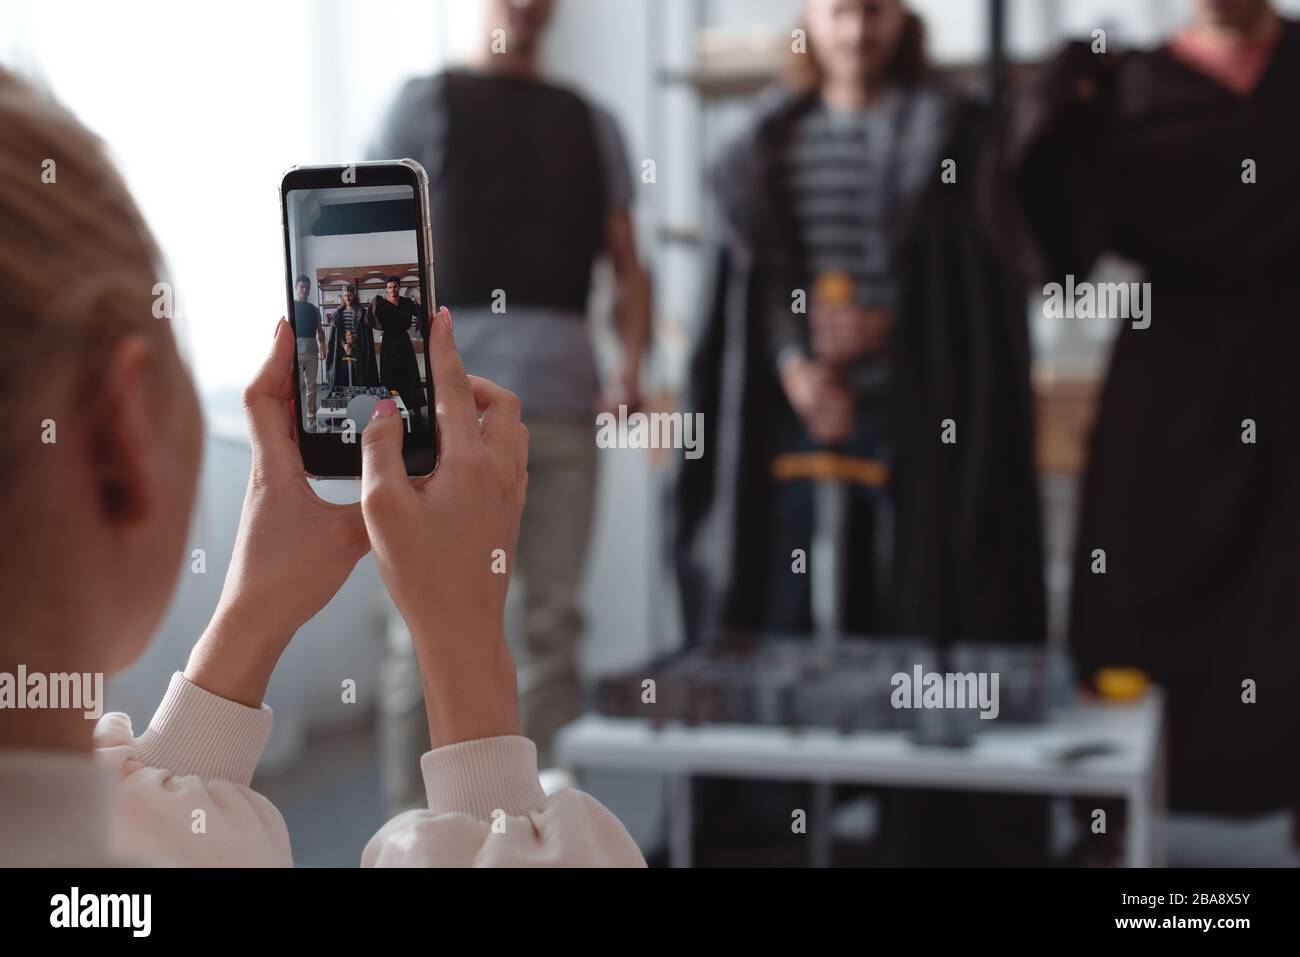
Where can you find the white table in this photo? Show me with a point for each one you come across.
(1005, 759)
(333, 417)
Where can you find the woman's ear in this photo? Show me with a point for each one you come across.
(121, 412)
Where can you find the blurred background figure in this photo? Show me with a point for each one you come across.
(836, 195)
(841, 179)
(1182, 159)
(529, 185)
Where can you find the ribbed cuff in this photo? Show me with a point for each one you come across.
(197, 732)
(483, 776)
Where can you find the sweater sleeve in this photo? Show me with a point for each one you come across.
(185, 798)
(487, 809)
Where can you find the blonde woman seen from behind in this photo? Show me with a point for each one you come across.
(99, 458)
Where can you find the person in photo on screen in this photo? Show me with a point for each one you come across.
(399, 370)
(352, 344)
(310, 336)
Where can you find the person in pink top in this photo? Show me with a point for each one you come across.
(99, 460)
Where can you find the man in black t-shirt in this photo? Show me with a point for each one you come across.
(311, 348)
(529, 187)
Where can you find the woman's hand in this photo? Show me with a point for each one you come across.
(627, 392)
(823, 405)
(293, 551)
(845, 333)
(445, 546)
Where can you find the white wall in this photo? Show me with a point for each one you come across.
(361, 249)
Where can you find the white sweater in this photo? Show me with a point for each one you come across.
(178, 795)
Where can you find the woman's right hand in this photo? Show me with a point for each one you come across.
(445, 545)
(823, 405)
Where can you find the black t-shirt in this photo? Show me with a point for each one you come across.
(306, 320)
(517, 198)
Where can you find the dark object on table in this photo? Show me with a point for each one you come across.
(792, 683)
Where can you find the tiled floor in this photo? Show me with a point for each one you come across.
(331, 799)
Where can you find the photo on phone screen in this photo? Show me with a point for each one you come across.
(359, 305)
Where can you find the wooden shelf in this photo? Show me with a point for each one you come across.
(713, 83)
(719, 83)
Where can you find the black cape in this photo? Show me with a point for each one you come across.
(1201, 531)
(398, 368)
(967, 561)
(365, 371)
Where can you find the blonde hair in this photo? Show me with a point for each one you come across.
(78, 265)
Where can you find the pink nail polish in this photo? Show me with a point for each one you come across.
(384, 407)
(451, 323)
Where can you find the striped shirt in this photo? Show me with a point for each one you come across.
(346, 319)
(847, 182)
(833, 176)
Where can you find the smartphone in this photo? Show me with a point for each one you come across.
(358, 257)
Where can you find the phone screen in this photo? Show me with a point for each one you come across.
(359, 304)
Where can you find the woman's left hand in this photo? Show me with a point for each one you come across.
(293, 551)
